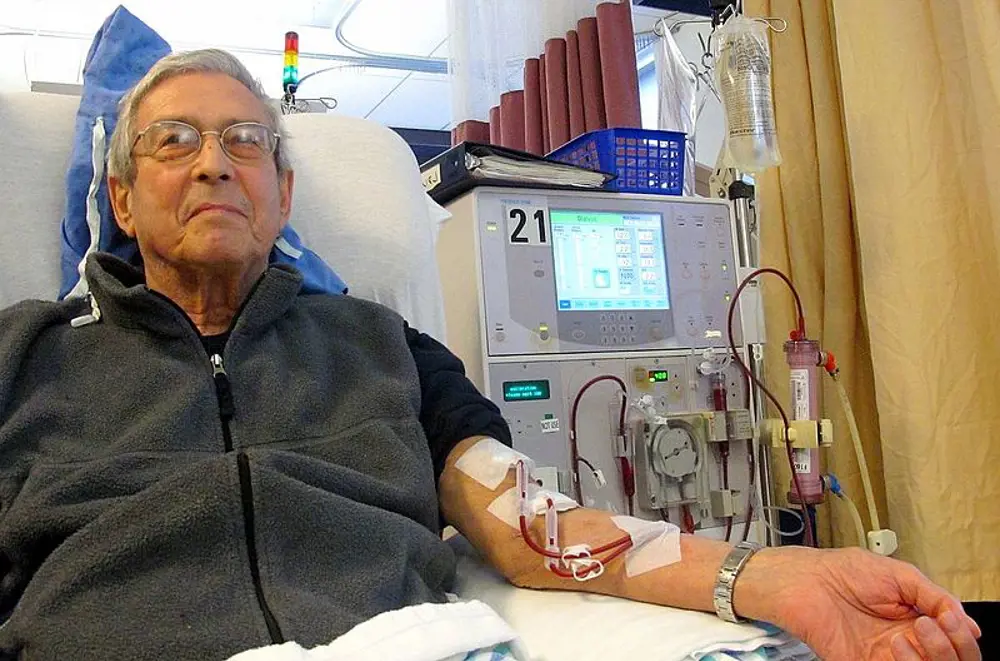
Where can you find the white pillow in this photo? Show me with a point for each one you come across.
(36, 131)
(358, 203)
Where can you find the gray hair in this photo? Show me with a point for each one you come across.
(121, 165)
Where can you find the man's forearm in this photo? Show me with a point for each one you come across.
(685, 584)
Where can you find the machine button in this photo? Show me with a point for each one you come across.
(631, 328)
(631, 339)
(614, 339)
(499, 336)
(631, 317)
(604, 340)
(621, 316)
(578, 334)
(656, 333)
(604, 328)
(604, 317)
(543, 335)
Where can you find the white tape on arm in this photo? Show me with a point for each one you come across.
(488, 461)
(505, 507)
(655, 544)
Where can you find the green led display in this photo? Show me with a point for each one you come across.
(658, 376)
(520, 391)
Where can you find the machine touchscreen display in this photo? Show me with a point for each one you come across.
(609, 261)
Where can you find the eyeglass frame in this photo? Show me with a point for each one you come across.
(201, 141)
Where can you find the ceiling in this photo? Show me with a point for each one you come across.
(61, 31)
(47, 41)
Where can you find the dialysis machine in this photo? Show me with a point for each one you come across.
(597, 322)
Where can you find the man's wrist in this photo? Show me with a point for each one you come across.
(763, 590)
(729, 573)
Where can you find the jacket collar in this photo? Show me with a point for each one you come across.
(120, 292)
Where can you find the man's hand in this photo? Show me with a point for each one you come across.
(850, 605)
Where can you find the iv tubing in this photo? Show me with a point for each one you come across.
(859, 450)
(799, 333)
(856, 518)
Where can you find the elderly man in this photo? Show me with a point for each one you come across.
(199, 459)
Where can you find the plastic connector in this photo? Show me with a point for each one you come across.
(829, 363)
(883, 542)
(825, 431)
(599, 478)
(833, 484)
(803, 434)
(723, 503)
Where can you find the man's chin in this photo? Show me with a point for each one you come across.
(224, 258)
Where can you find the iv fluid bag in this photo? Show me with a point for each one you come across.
(743, 75)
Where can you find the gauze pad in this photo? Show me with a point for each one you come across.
(655, 544)
(488, 461)
(505, 507)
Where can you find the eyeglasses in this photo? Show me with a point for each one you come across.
(170, 140)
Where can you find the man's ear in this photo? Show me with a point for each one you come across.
(121, 203)
(286, 182)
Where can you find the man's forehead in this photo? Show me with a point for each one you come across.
(204, 100)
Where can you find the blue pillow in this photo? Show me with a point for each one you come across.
(123, 50)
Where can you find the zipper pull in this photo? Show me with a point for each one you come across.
(223, 391)
(85, 319)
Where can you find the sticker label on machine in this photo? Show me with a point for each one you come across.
(800, 394)
(802, 460)
(800, 411)
(527, 224)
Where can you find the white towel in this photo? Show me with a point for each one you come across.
(575, 626)
(427, 632)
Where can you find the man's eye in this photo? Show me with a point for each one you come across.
(176, 139)
(245, 136)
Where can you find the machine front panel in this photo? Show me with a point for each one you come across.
(582, 272)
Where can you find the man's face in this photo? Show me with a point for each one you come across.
(207, 211)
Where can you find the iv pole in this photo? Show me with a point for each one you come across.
(729, 184)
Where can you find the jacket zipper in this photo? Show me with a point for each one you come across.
(224, 394)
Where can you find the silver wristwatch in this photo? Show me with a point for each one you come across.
(722, 596)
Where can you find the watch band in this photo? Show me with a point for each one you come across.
(722, 595)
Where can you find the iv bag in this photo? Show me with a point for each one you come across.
(743, 74)
(677, 108)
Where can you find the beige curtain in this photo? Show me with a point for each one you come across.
(886, 211)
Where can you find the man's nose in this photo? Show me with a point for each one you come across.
(212, 163)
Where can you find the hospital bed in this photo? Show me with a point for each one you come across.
(358, 203)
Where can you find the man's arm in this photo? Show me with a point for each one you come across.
(451, 408)
(845, 604)
(686, 584)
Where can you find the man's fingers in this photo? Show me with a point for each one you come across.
(929, 598)
(961, 637)
(974, 626)
(934, 640)
(903, 650)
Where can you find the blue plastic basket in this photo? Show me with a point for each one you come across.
(646, 161)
